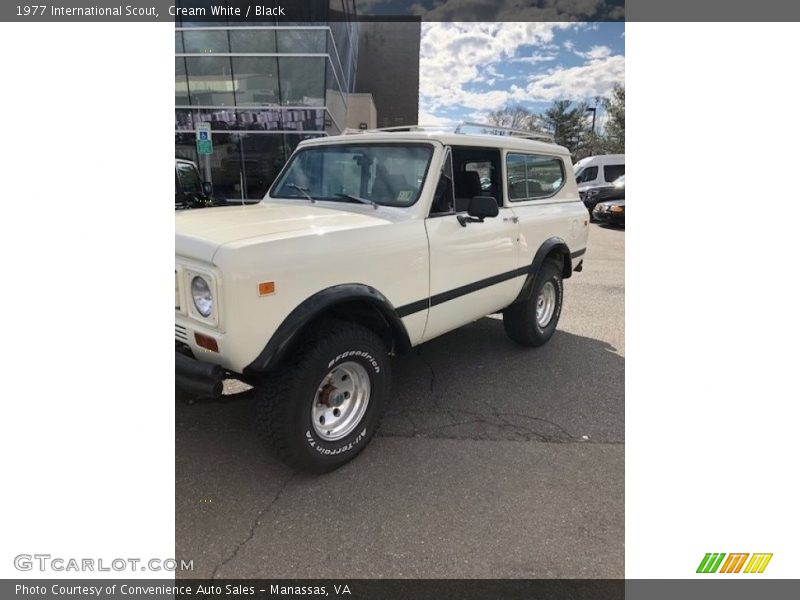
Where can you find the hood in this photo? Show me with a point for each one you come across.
(592, 185)
(200, 233)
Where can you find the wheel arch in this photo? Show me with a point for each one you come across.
(554, 248)
(354, 302)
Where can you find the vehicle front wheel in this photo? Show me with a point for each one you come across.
(533, 322)
(323, 409)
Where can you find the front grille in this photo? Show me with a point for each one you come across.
(180, 333)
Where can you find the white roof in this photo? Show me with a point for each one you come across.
(446, 138)
(601, 159)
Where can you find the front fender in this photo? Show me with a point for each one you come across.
(318, 305)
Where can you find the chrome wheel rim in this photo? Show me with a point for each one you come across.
(546, 304)
(340, 402)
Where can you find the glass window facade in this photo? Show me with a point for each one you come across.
(263, 87)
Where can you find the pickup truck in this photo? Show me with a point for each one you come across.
(365, 246)
(190, 190)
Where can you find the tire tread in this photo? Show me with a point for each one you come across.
(274, 397)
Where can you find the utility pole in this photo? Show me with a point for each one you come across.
(593, 110)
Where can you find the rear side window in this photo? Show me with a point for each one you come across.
(586, 174)
(611, 172)
(531, 176)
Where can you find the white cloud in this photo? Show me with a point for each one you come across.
(594, 78)
(426, 118)
(595, 53)
(534, 58)
(455, 55)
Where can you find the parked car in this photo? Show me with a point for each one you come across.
(597, 172)
(190, 190)
(593, 196)
(612, 212)
(365, 246)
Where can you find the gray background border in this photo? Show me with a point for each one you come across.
(475, 10)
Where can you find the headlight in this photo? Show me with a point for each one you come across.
(617, 209)
(201, 294)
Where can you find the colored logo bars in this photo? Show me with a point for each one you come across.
(734, 562)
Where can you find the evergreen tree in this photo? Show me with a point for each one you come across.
(615, 125)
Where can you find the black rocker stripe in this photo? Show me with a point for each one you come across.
(410, 309)
(414, 307)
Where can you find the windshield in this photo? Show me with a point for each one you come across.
(584, 174)
(386, 174)
(619, 181)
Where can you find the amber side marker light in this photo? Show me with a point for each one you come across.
(265, 288)
(206, 342)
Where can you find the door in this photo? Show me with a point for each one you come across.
(473, 267)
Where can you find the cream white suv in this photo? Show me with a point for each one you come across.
(365, 246)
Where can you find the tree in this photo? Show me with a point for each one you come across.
(615, 124)
(566, 122)
(515, 117)
(571, 125)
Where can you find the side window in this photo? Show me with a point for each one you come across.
(532, 176)
(476, 172)
(189, 178)
(515, 168)
(443, 198)
(611, 172)
(586, 174)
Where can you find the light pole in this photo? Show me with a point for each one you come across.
(593, 110)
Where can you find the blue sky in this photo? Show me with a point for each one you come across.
(469, 69)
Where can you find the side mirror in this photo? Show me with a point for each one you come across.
(208, 189)
(483, 207)
(480, 208)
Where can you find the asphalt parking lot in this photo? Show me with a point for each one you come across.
(493, 461)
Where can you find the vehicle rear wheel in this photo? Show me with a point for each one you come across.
(533, 322)
(324, 408)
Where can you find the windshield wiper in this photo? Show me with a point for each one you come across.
(357, 199)
(302, 190)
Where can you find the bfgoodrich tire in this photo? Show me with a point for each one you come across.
(322, 410)
(533, 322)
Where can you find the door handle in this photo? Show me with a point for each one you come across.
(510, 219)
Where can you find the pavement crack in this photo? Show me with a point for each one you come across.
(491, 424)
(256, 524)
(432, 386)
(503, 417)
(430, 368)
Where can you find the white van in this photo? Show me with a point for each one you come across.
(597, 171)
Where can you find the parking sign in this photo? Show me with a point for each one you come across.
(203, 139)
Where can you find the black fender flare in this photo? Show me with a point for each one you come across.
(550, 245)
(290, 329)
